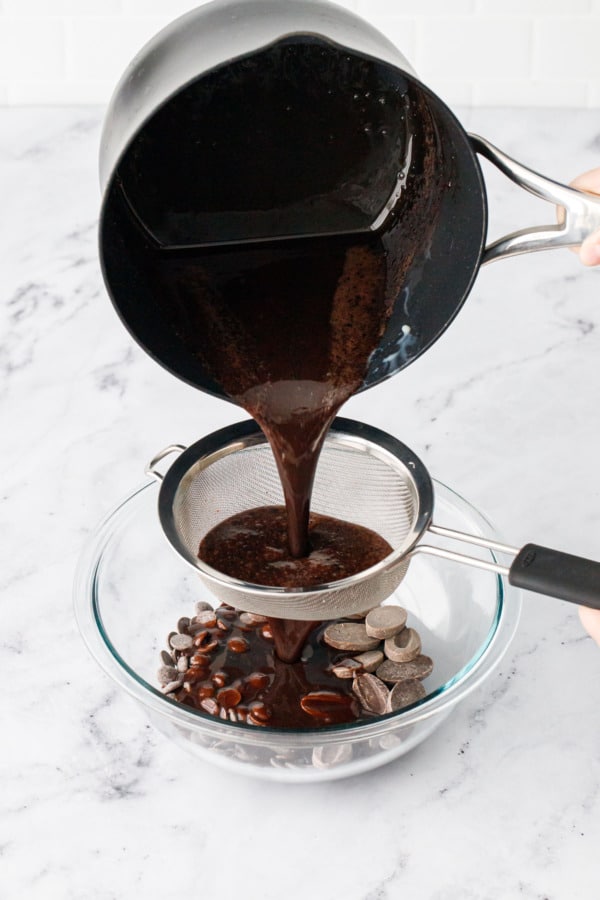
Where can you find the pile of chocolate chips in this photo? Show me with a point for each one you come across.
(222, 661)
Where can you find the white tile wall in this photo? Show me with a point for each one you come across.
(482, 52)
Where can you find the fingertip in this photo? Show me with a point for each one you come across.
(590, 619)
(589, 252)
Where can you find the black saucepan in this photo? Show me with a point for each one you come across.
(248, 121)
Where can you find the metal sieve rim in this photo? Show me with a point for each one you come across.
(349, 432)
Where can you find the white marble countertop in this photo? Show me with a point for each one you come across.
(503, 801)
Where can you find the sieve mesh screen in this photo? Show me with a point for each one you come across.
(357, 480)
(351, 484)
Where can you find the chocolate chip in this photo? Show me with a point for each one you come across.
(228, 612)
(248, 618)
(385, 621)
(360, 617)
(183, 625)
(349, 636)
(207, 619)
(326, 705)
(404, 693)
(166, 658)
(387, 741)
(403, 647)
(257, 680)
(347, 668)
(210, 705)
(331, 755)
(181, 641)
(204, 642)
(370, 660)
(418, 668)
(219, 679)
(200, 659)
(209, 646)
(229, 697)
(372, 693)
(205, 690)
(202, 606)
(171, 686)
(259, 712)
(166, 674)
(238, 645)
(182, 664)
(196, 673)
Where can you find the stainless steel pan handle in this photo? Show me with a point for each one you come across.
(581, 209)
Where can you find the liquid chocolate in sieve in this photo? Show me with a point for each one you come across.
(253, 546)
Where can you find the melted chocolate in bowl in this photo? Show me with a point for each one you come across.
(245, 673)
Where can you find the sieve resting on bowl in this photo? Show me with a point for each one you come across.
(364, 476)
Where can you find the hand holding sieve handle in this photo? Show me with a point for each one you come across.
(557, 574)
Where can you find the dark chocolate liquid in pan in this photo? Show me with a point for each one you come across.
(286, 326)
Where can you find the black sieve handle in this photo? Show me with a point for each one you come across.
(557, 574)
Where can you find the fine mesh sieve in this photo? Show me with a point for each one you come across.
(364, 476)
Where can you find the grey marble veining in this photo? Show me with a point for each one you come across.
(503, 801)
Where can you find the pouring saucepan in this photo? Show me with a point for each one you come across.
(243, 117)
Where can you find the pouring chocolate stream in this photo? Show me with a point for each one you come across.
(286, 329)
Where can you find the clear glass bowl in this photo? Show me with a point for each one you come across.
(131, 589)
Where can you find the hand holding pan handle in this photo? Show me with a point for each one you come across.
(533, 568)
(581, 209)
